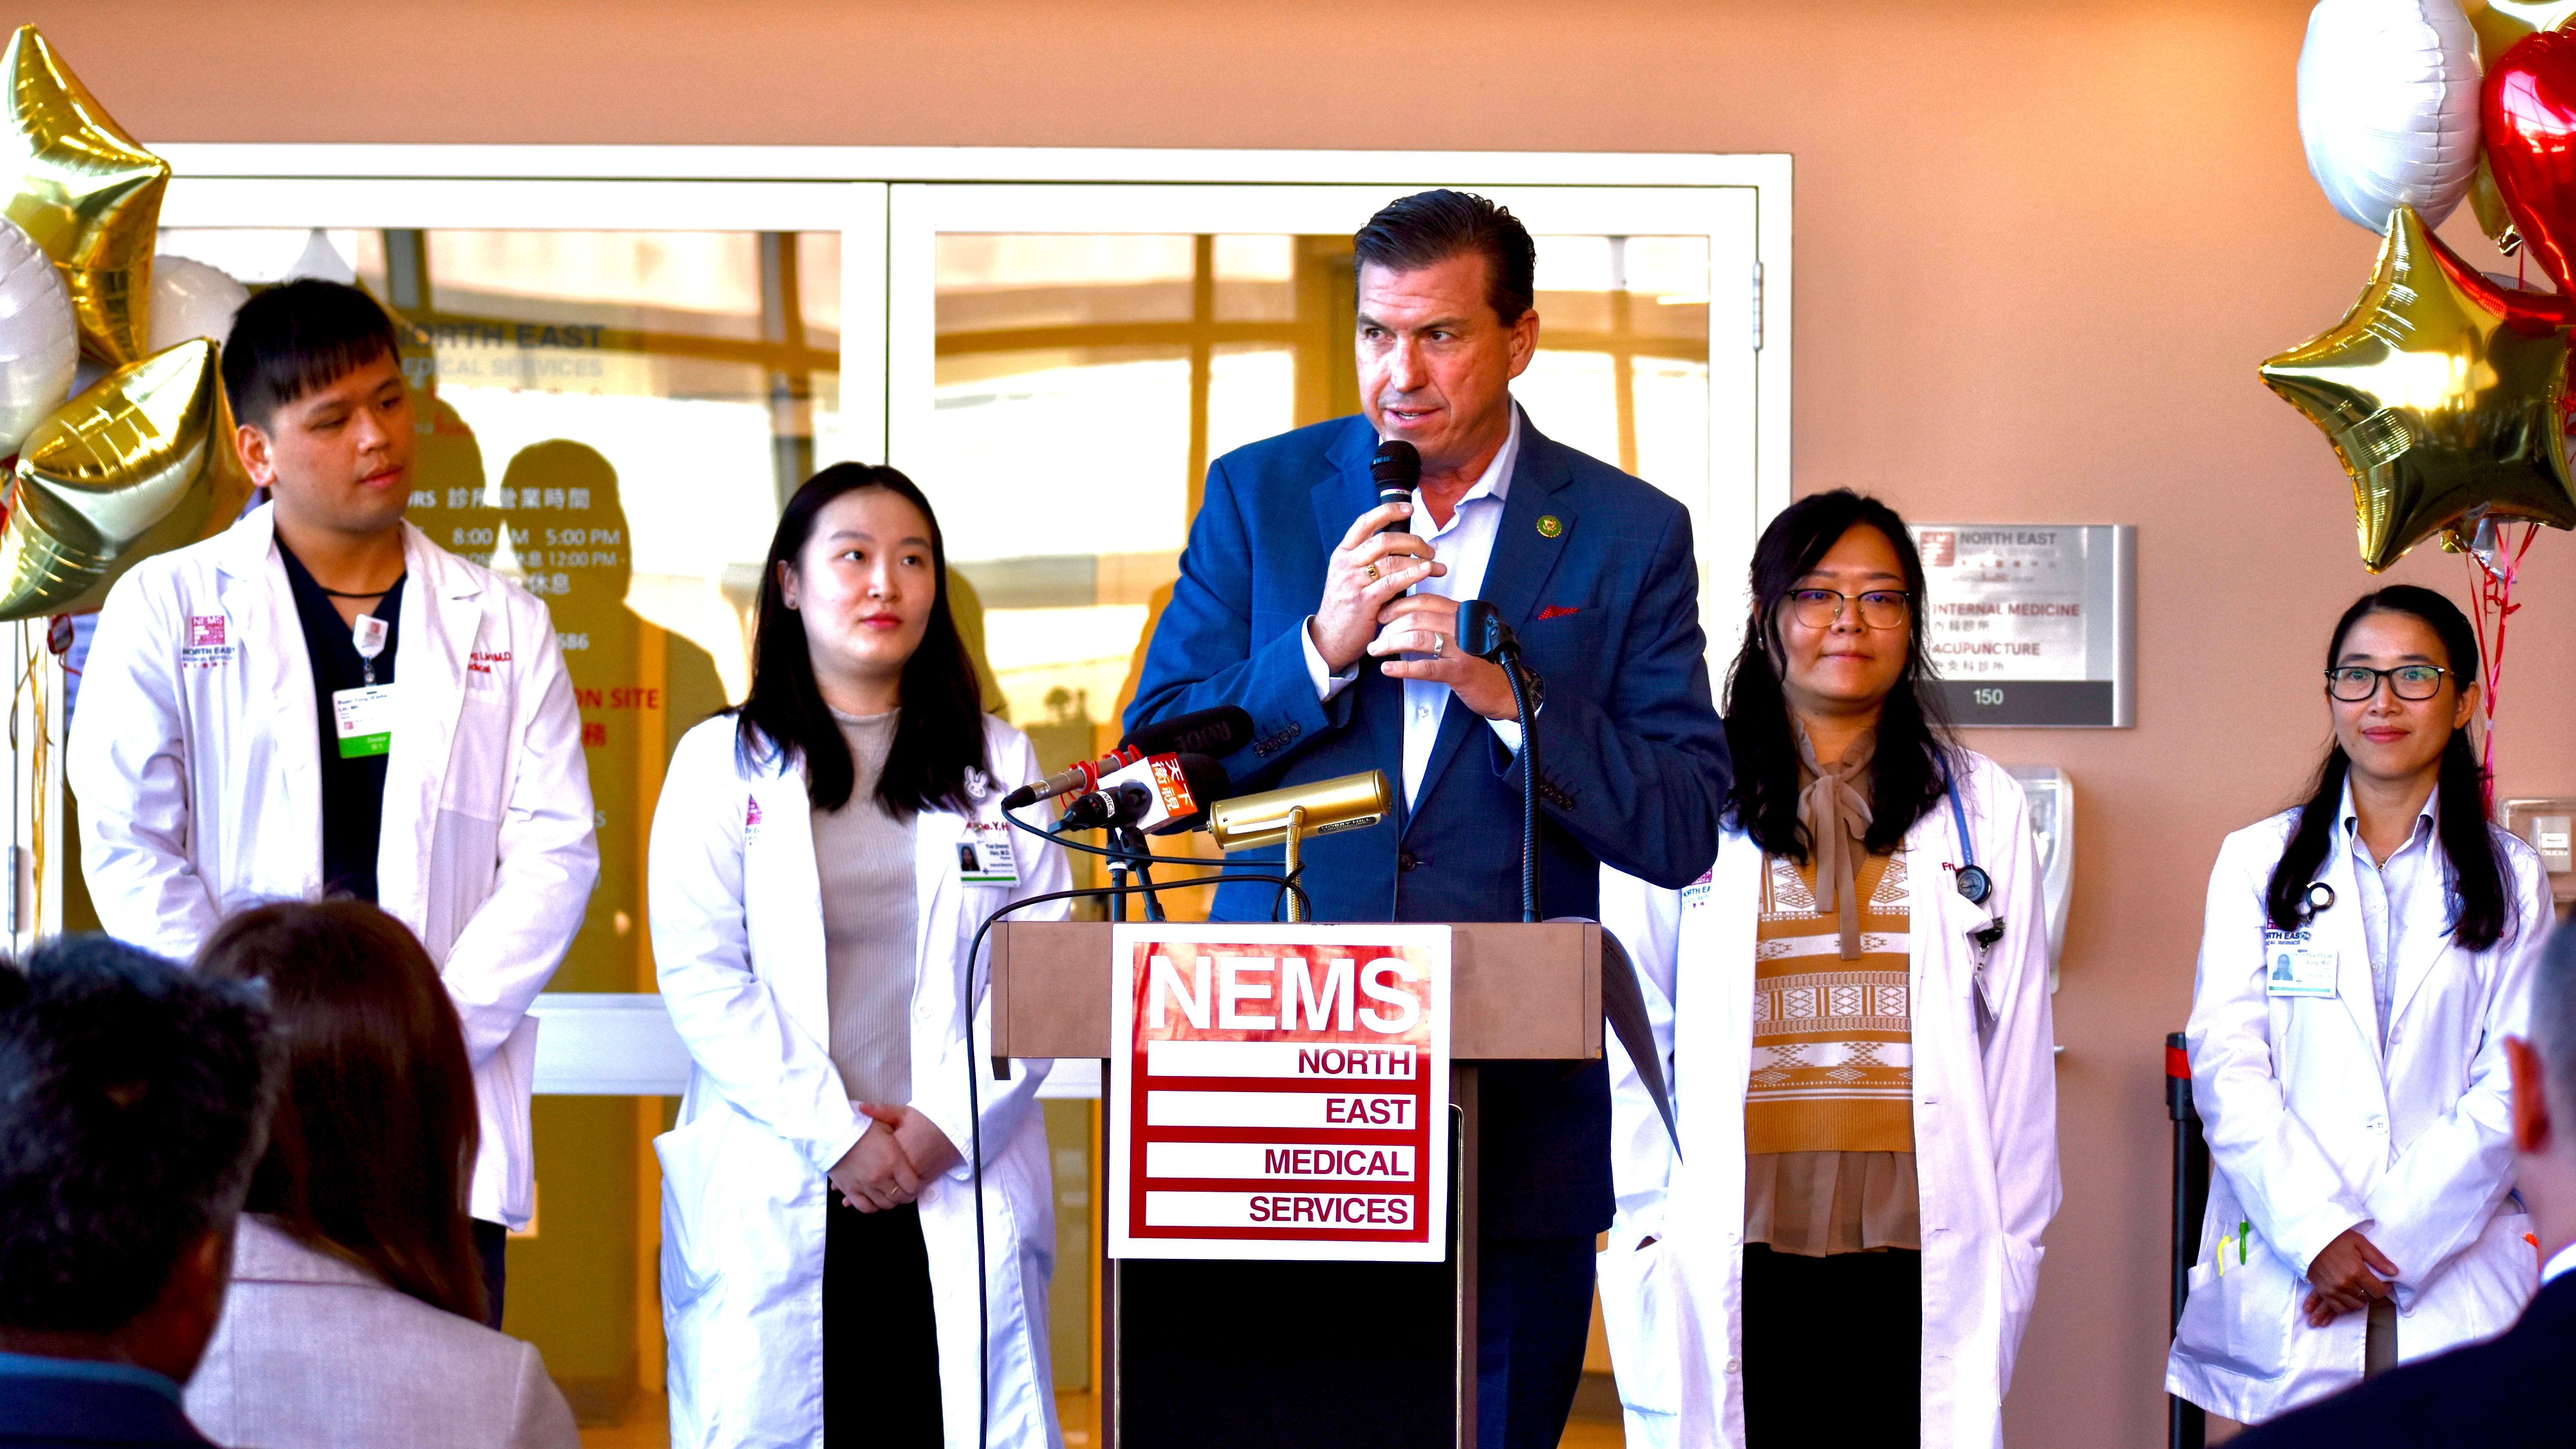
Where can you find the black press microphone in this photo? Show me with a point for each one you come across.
(1142, 795)
(1395, 467)
(1215, 733)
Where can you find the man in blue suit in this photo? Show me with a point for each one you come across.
(1341, 642)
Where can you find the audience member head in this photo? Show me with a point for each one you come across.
(1836, 628)
(133, 1106)
(2544, 1095)
(322, 415)
(371, 1148)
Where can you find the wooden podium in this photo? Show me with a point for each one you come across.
(1205, 1353)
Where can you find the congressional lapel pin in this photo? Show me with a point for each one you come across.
(1549, 525)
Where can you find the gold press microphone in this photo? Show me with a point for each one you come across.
(1318, 807)
(1287, 816)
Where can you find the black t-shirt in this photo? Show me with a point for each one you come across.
(353, 790)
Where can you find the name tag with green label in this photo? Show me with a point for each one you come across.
(366, 720)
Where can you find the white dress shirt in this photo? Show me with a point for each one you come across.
(2387, 891)
(1466, 545)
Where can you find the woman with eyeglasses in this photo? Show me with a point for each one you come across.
(1841, 1241)
(2364, 956)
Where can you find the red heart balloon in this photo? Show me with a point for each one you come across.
(2529, 112)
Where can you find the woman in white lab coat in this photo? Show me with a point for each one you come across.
(821, 860)
(2364, 957)
(1855, 1028)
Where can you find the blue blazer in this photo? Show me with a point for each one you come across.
(1632, 756)
(2512, 1389)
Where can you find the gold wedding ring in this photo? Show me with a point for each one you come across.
(1372, 573)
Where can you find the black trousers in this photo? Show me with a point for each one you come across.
(880, 1350)
(1833, 1349)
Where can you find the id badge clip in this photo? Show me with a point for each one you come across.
(984, 855)
(364, 717)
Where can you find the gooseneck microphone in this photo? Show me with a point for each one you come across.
(1215, 733)
(1395, 467)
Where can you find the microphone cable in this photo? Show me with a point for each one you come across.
(974, 1084)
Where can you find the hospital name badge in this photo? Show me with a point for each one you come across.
(2292, 966)
(984, 857)
(365, 720)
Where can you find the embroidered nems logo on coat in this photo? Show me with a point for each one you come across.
(750, 817)
(206, 646)
(482, 663)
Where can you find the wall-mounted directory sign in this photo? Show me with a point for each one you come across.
(2033, 624)
(1280, 1092)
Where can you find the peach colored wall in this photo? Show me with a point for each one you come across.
(2040, 249)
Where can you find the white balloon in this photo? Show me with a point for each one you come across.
(2388, 106)
(39, 350)
(191, 300)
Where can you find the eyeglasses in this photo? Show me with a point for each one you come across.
(1879, 608)
(2353, 683)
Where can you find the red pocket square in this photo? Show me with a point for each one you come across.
(1556, 611)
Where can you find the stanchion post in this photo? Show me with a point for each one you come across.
(2186, 1424)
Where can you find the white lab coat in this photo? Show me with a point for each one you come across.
(2311, 1132)
(197, 762)
(1985, 1128)
(737, 915)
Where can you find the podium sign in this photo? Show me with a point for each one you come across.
(1279, 1092)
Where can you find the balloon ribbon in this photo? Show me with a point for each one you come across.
(2492, 592)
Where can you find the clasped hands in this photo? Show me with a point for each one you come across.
(901, 1150)
(1365, 611)
(2345, 1275)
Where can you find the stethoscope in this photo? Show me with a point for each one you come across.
(2320, 897)
(1971, 879)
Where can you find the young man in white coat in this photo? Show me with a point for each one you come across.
(320, 701)
(1852, 1013)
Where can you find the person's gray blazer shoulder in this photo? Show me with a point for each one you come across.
(314, 1351)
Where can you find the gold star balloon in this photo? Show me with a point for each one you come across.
(85, 191)
(139, 464)
(2440, 392)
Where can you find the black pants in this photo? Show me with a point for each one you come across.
(1833, 1349)
(492, 1245)
(880, 1350)
(1533, 1313)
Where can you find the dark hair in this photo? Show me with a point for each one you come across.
(1429, 227)
(371, 1148)
(940, 733)
(1910, 768)
(2481, 910)
(2553, 1029)
(131, 1100)
(296, 337)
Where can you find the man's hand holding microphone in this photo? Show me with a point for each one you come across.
(1366, 611)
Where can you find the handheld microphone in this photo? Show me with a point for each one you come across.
(1214, 733)
(1345, 802)
(1396, 467)
(1160, 795)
